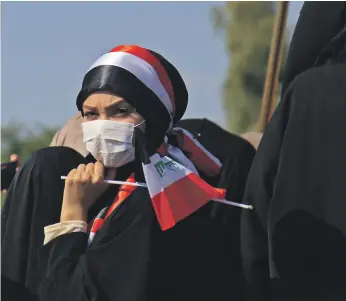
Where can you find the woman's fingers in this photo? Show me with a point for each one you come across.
(81, 168)
(99, 170)
(86, 178)
(79, 172)
(72, 173)
(71, 176)
(83, 187)
(88, 173)
(90, 168)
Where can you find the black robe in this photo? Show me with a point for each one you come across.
(34, 201)
(131, 258)
(296, 235)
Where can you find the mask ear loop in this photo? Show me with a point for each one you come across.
(139, 127)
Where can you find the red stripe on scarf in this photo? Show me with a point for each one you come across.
(124, 192)
(97, 224)
(145, 55)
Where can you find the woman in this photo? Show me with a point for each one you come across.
(297, 234)
(129, 99)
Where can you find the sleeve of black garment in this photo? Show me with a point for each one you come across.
(258, 192)
(65, 272)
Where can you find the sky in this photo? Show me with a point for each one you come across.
(46, 48)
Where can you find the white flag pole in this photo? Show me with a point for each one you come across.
(250, 207)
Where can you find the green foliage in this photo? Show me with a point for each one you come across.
(16, 138)
(246, 28)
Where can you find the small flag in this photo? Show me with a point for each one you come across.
(176, 192)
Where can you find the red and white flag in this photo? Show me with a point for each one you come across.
(176, 191)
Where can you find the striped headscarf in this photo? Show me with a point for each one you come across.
(146, 80)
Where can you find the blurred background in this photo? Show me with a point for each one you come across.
(220, 48)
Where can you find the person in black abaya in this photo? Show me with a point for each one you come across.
(8, 170)
(32, 202)
(294, 243)
(123, 255)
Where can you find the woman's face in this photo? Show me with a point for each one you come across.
(104, 106)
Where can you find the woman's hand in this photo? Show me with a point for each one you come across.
(83, 186)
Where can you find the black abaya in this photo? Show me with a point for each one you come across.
(297, 234)
(33, 202)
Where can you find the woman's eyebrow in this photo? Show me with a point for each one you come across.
(115, 104)
(88, 107)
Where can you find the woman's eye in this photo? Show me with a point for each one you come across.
(89, 114)
(121, 111)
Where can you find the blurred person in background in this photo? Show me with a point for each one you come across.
(8, 171)
(70, 135)
(15, 158)
(104, 242)
(294, 242)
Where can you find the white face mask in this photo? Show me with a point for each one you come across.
(109, 141)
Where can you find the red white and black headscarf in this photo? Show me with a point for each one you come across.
(146, 80)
